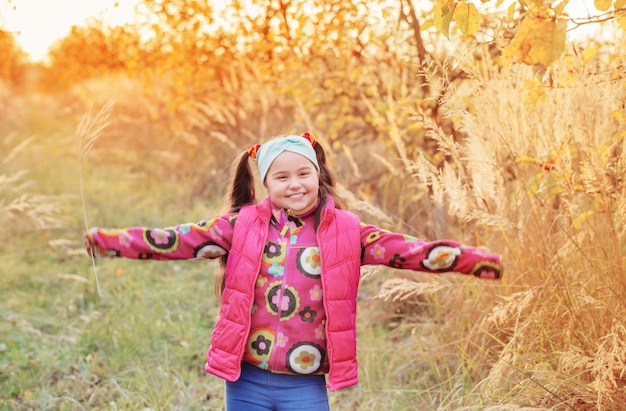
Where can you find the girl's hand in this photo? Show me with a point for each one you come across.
(90, 246)
(488, 270)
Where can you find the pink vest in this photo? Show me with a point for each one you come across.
(338, 237)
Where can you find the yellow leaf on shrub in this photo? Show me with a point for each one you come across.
(532, 188)
(537, 41)
(428, 23)
(589, 53)
(467, 17)
(526, 160)
(443, 16)
(511, 11)
(602, 5)
(580, 220)
(535, 92)
(620, 15)
(560, 8)
(568, 77)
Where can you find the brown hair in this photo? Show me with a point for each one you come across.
(242, 193)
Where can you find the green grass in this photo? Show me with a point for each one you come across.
(141, 343)
(550, 335)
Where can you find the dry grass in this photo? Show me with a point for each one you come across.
(536, 176)
(539, 177)
(18, 204)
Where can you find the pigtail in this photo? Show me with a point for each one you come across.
(241, 194)
(242, 189)
(327, 184)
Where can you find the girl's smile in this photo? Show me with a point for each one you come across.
(292, 182)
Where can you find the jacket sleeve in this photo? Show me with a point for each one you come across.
(206, 239)
(406, 252)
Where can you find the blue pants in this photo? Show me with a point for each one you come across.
(258, 390)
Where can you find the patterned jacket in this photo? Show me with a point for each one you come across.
(290, 300)
(307, 333)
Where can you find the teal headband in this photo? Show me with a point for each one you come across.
(267, 153)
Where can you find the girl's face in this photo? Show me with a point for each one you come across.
(292, 181)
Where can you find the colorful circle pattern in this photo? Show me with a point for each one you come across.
(309, 262)
(259, 346)
(161, 240)
(305, 358)
(287, 304)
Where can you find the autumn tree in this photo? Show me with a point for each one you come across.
(529, 31)
(12, 60)
(355, 72)
(87, 52)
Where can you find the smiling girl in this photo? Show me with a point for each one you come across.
(287, 325)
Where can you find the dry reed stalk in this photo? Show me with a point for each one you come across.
(547, 174)
(39, 210)
(399, 289)
(43, 211)
(88, 131)
(607, 365)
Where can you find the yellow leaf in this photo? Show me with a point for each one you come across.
(467, 17)
(428, 23)
(620, 13)
(589, 53)
(443, 16)
(560, 8)
(617, 115)
(602, 5)
(526, 160)
(537, 41)
(580, 220)
(567, 77)
(533, 187)
(535, 92)
(511, 11)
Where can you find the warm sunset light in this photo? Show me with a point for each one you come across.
(454, 169)
(38, 23)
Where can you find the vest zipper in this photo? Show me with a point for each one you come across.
(281, 294)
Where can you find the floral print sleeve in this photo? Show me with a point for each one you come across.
(206, 239)
(406, 252)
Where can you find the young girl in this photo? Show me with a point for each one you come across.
(289, 286)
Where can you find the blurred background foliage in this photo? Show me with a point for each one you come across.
(479, 121)
(195, 81)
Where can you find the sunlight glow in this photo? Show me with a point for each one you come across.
(37, 24)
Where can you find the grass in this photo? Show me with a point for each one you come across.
(537, 180)
(141, 343)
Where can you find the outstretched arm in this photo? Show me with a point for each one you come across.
(406, 252)
(207, 239)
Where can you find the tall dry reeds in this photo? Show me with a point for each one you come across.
(20, 207)
(539, 177)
